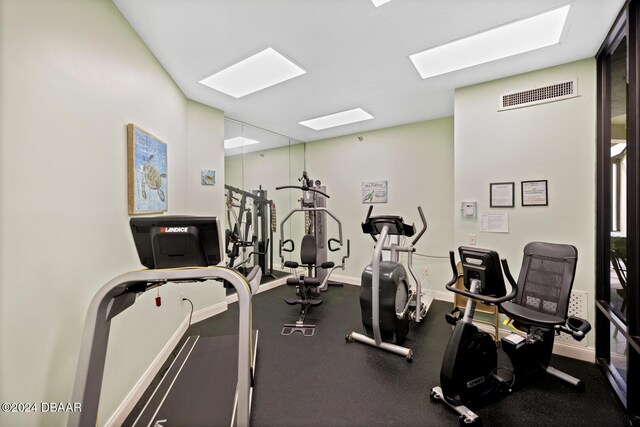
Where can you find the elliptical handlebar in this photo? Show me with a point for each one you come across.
(368, 213)
(424, 226)
(304, 188)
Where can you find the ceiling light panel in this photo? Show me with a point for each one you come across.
(260, 71)
(518, 37)
(378, 3)
(337, 119)
(238, 141)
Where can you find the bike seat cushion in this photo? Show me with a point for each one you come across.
(528, 316)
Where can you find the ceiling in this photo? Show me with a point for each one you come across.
(355, 55)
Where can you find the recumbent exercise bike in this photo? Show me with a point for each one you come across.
(537, 304)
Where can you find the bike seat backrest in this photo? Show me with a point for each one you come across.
(308, 254)
(397, 227)
(546, 278)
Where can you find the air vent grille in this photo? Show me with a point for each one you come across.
(540, 95)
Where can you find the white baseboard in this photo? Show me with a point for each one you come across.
(136, 392)
(587, 354)
(212, 310)
(347, 280)
(442, 296)
(263, 287)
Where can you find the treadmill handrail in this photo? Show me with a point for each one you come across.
(115, 297)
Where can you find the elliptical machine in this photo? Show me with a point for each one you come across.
(537, 305)
(387, 301)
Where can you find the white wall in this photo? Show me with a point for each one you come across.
(417, 162)
(554, 141)
(73, 74)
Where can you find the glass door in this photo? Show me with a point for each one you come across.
(617, 307)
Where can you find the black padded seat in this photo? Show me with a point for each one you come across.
(308, 252)
(525, 315)
(308, 281)
(311, 281)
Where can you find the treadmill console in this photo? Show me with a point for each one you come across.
(177, 241)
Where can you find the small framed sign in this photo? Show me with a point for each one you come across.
(534, 193)
(501, 194)
(208, 177)
(374, 192)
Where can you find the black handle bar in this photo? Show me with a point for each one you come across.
(368, 213)
(424, 226)
(303, 189)
(483, 298)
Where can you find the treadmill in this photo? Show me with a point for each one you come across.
(210, 380)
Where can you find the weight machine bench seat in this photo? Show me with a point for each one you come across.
(308, 281)
(528, 316)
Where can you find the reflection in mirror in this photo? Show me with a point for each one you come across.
(618, 243)
(256, 162)
(618, 356)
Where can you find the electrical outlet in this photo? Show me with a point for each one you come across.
(472, 239)
(182, 296)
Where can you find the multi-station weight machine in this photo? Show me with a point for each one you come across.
(251, 221)
(313, 251)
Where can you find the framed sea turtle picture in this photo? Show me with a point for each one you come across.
(147, 169)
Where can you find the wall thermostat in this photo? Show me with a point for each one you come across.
(468, 209)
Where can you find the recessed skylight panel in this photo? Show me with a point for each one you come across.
(260, 71)
(337, 119)
(512, 39)
(238, 141)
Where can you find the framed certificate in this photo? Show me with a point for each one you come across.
(534, 193)
(501, 194)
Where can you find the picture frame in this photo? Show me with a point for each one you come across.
(147, 172)
(375, 192)
(208, 177)
(535, 193)
(501, 194)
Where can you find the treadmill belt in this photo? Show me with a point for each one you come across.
(199, 388)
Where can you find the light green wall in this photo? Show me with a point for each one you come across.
(73, 75)
(554, 141)
(415, 159)
(417, 162)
